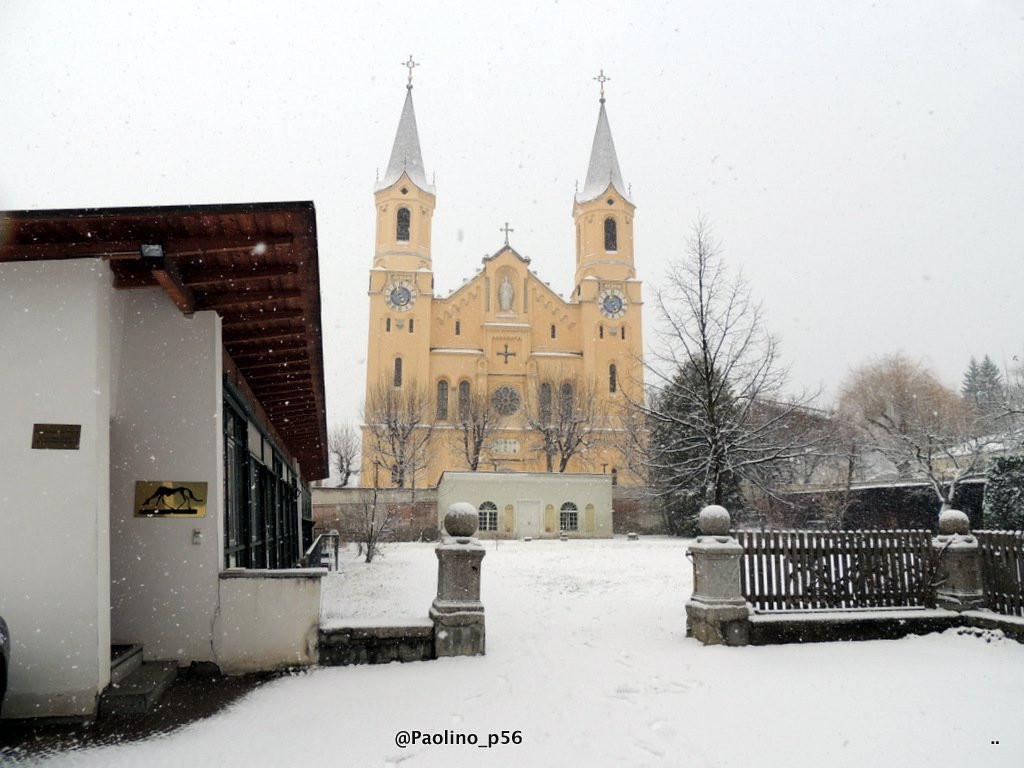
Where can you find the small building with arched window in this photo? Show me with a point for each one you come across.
(539, 505)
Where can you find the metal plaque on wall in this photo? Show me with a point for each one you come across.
(61, 437)
(169, 498)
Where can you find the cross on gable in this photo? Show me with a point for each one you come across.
(506, 354)
(506, 229)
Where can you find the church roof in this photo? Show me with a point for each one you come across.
(604, 163)
(405, 153)
(510, 249)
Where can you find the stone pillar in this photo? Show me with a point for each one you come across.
(717, 613)
(457, 612)
(958, 558)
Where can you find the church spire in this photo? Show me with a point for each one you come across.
(604, 163)
(405, 153)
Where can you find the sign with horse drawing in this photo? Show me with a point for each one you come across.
(170, 498)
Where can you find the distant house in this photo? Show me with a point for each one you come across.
(162, 414)
(532, 504)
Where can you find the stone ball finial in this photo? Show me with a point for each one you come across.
(714, 520)
(461, 521)
(954, 521)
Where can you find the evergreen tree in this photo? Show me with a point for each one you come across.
(688, 463)
(1004, 494)
(969, 388)
(983, 386)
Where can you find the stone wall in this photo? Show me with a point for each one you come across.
(636, 511)
(414, 516)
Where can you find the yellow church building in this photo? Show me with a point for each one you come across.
(503, 374)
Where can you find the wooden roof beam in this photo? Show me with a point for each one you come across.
(255, 317)
(168, 276)
(240, 299)
(219, 276)
(251, 337)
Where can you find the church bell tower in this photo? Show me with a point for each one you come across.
(401, 283)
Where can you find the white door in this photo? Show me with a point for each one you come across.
(528, 518)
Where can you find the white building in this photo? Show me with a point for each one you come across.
(143, 348)
(533, 504)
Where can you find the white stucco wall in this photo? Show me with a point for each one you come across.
(166, 426)
(268, 619)
(523, 492)
(54, 504)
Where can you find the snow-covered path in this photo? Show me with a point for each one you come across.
(587, 660)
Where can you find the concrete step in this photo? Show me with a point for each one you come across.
(140, 690)
(124, 659)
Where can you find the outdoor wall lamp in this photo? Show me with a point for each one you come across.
(151, 251)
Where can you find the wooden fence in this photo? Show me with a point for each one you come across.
(803, 570)
(1002, 568)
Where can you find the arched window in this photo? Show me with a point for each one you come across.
(387, 324)
(402, 225)
(488, 512)
(611, 235)
(613, 378)
(615, 476)
(458, 328)
(565, 400)
(554, 331)
(463, 400)
(442, 400)
(410, 324)
(398, 372)
(569, 517)
(545, 402)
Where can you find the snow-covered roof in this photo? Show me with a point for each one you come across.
(405, 153)
(604, 163)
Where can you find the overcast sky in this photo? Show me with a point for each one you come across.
(863, 164)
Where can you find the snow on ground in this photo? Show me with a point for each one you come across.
(588, 662)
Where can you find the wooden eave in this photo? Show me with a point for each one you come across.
(255, 264)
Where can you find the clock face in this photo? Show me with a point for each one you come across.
(401, 296)
(613, 303)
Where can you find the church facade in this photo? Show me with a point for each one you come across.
(502, 373)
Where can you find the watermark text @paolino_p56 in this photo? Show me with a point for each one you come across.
(452, 738)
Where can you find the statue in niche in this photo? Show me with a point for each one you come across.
(506, 294)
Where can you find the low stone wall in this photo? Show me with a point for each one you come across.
(347, 643)
(829, 626)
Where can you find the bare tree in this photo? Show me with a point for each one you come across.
(343, 447)
(478, 420)
(373, 520)
(926, 429)
(714, 412)
(565, 415)
(399, 427)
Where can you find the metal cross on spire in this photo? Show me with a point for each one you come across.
(409, 65)
(601, 79)
(506, 229)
